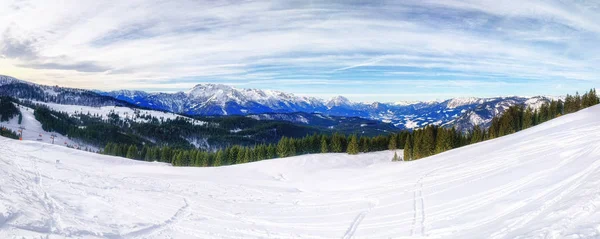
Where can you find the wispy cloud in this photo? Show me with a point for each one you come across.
(306, 47)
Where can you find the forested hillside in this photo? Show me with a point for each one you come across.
(98, 126)
(182, 141)
(416, 144)
(433, 139)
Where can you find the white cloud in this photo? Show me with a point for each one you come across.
(115, 44)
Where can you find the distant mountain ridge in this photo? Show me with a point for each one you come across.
(218, 100)
(20, 89)
(215, 99)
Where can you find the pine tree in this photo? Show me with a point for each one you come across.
(324, 147)
(117, 149)
(577, 103)
(210, 159)
(440, 139)
(225, 160)
(185, 158)
(424, 144)
(143, 153)
(392, 145)
(569, 102)
(156, 154)
(218, 158)
(233, 154)
(201, 160)
(261, 152)
(240, 156)
(560, 108)
(336, 143)
(402, 139)
(315, 142)
(353, 145)
(528, 118)
(395, 158)
(445, 140)
(283, 148)
(132, 152)
(408, 148)
(150, 154)
(192, 157)
(108, 149)
(492, 131)
(165, 154)
(363, 144)
(553, 109)
(177, 159)
(271, 152)
(246, 158)
(506, 124)
(291, 147)
(476, 135)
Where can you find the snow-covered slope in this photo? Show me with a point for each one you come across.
(543, 182)
(33, 131)
(5, 80)
(123, 112)
(16, 88)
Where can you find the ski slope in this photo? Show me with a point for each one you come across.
(33, 131)
(543, 182)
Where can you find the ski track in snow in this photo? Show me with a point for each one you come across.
(352, 229)
(419, 208)
(543, 182)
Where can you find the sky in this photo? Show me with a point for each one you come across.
(365, 50)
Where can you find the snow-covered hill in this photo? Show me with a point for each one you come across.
(543, 182)
(122, 112)
(5, 80)
(15, 88)
(33, 131)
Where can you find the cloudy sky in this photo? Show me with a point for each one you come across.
(367, 51)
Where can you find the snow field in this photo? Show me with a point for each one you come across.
(543, 182)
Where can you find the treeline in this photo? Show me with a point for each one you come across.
(416, 144)
(207, 133)
(53, 121)
(236, 154)
(8, 110)
(128, 138)
(8, 133)
(140, 129)
(433, 139)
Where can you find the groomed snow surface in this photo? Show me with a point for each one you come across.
(543, 182)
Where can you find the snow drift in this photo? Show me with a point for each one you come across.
(543, 182)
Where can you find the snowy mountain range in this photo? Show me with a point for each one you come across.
(215, 99)
(219, 100)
